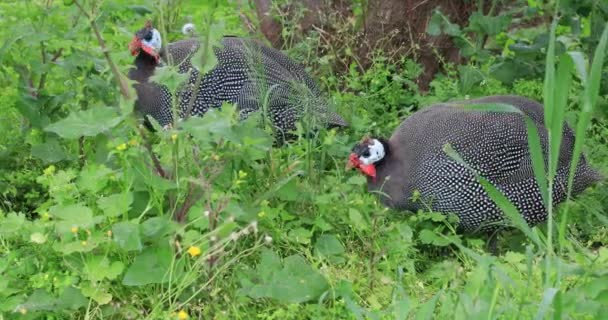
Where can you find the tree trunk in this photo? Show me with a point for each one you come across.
(269, 26)
(398, 27)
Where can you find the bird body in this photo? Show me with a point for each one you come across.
(247, 73)
(492, 144)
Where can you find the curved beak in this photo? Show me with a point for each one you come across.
(353, 162)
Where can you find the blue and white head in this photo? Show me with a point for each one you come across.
(147, 41)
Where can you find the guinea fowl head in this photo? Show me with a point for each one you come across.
(146, 41)
(366, 155)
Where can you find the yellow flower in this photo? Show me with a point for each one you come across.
(261, 214)
(22, 310)
(194, 251)
(121, 147)
(74, 229)
(84, 243)
(242, 174)
(174, 137)
(49, 171)
(182, 315)
(109, 233)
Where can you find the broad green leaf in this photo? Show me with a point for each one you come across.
(39, 300)
(357, 219)
(11, 224)
(293, 281)
(215, 124)
(204, 60)
(76, 215)
(98, 268)
(169, 77)
(126, 235)
(154, 227)
(86, 123)
(328, 246)
(429, 237)
(96, 292)
(94, 177)
(151, 266)
(300, 235)
(49, 152)
(116, 204)
(71, 299)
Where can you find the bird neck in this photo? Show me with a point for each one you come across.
(145, 65)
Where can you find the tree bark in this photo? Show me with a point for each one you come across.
(398, 27)
(269, 26)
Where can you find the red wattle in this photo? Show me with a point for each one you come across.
(368, 169)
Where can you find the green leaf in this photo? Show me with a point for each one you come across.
(98, 268)
(116, 204)
(94, 177)
(154, 227)
(126, 235)
(293, 281)
(39, 300)
(11, 224)
(426, 310)
(170, 77)
(429, 237)
(96, 292)
(357, 219)
(214, 125)
(151, 266)
(86, 123)
(562, 88)
(204, 59)
(49, 152)
(328, 246)
(71, 299)
(548, 296)
(76, 215)
(300, 235)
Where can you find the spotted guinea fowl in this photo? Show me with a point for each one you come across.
(494, 144)
(247, 73)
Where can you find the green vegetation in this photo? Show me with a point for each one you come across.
(244, 230)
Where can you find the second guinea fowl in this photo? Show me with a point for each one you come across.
(494, 144)
(247, 73)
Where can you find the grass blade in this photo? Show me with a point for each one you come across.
(591, 93)
(562, 88)
(507, 207)
(549, 84)
(538, 163)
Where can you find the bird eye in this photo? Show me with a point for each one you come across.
(148, 36)
(366, 153)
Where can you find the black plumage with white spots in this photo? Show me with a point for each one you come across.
(247, 73)
(493, 144)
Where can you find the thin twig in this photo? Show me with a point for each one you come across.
(124, 87)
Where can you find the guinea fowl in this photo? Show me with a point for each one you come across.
(494, 144)
(246, 70)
